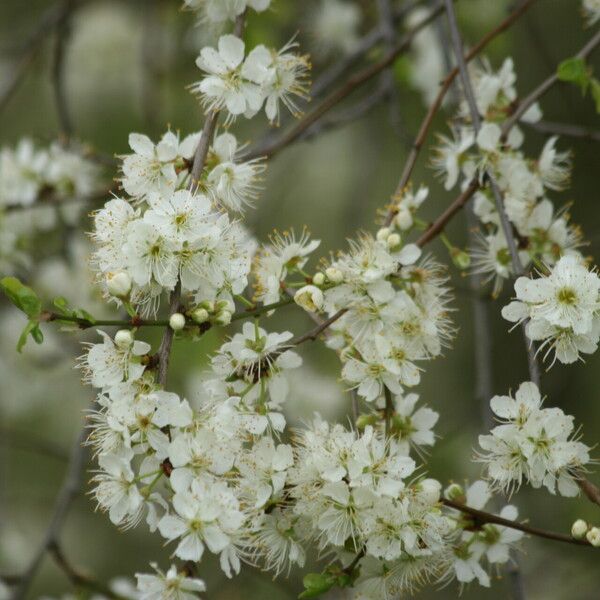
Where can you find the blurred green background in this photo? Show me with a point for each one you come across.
(127, 66)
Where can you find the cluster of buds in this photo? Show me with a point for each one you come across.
(582, 530)
(217, 312)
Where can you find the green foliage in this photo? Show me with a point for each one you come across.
(575, 70)
(26, 300)
(316, 584)
(22, 296)
(65, 309)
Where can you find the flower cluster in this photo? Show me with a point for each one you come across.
(45, 180)
(396, 313)
(167, 233)
(220, 473)
(490, 542)
(532, 443)
(354, 491)
(164, 168)
(243, 84)
(561, 309)
(545, 234)
(204, 478)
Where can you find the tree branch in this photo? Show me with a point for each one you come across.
(341, 93)
(482, 517)
(437, 103)
(63, 34)
(534, 372)
(164, 350)
(62, 505)
(538, 92)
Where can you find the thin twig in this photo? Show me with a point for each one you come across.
(484, 362)
(481, 518)
(77, 578)
(437, 103)
(164, 350)
(62, 505)
(29, 50)
(534, 372)
(63, 34)
(364, 45)
(440, 223)
(538, 92)
(351, 84)
(565, 129)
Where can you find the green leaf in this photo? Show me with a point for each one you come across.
(574, 70)
(62, 304)
(24, 334)
(595, 88)
(316, 584)
(84, 314)
(23, 297)
(37, 335)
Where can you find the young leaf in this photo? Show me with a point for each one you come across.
(574, 70)
(316, 584)
(62, 304)
(22, 296)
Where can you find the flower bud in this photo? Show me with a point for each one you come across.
(460, 258)
(310, 298)
(319, 279)
(118, 284)
(208, 305)
(579, 529)
(365, 420)
(224, 305)
(334, 275)
(123, 339)
(430, 490)
(200, 315)
(393, 241)
(176, 321)
(593, 537)
(383, 234)
(404, 220)
(455, 492)
(223, 318)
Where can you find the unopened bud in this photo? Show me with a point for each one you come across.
(200, 315)
(393, 241)
(455, 492)
(579, 529)
(224, 305)
(310, 298)
(123, 339)
(430, 490)
(461, 258)
(208, 305)
(319, 279)
(334, 275)
(365, 420)
(593, 537)
(176, 321)
(383, 234)
(223, 318)
(118, 284)
(404, 220)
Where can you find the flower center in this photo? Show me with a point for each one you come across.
(566, 296)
